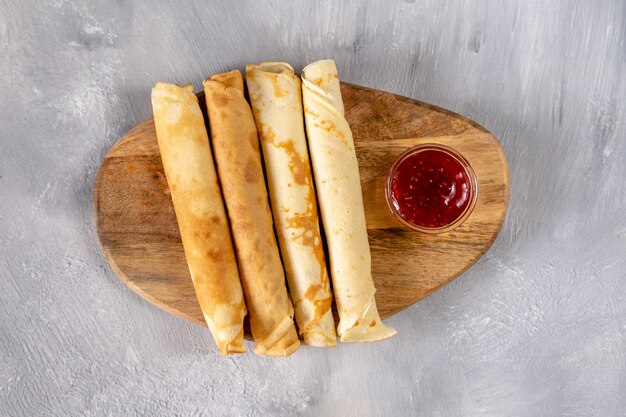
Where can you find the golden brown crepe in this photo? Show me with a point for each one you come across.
(276, 98)
(338, 184)
(236, 147)
(190, 172)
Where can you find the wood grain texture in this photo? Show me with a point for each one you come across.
(138, 233)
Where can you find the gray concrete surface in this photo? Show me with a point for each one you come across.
(536, 328)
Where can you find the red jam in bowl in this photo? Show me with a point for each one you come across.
(431, 188)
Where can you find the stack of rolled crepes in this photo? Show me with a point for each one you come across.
(227, 263)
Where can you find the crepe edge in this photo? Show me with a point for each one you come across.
(368, 328)
(270, 67)
(322, 333)
(170, 92)
(285, 346)
(325, 85)
(234, 346)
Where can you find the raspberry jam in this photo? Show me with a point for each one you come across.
(431, 188)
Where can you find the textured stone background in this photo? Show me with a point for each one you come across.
(536, 328)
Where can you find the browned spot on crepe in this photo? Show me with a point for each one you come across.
(318, 81)
(220, 100)
(251, 171)
(328, 126)
(312, 291)
(267, 133)
(298, 164)
(321, 305)
(214, 254)
(278, 91)
(309, 111)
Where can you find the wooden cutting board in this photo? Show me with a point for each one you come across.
(139, 236)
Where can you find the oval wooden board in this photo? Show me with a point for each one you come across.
(138, 232)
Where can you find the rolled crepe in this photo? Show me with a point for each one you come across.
(190, 173)
(338, 184)
(276, 97)
(237, 155)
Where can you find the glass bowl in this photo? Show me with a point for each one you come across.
(442, 158)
